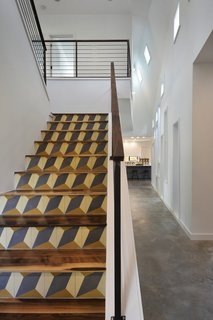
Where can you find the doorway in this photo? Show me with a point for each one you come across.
(176, 171)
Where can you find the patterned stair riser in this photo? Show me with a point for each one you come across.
(80, 117)
(26, 238)
(75, 136)
(42, 163)
(61, 181)
(68, 149)
(60, 205)
(51, 285)
(52, 205)
(67, 126)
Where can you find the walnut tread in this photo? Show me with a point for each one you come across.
(56, 260)
(50, 310)
(43, 221)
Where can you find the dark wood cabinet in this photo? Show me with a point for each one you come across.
(138, 172)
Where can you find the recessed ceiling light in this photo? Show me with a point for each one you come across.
(132, 137)
(43, 7)
(144, 137)
(138, 137)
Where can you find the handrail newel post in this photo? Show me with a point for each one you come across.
(117, 157)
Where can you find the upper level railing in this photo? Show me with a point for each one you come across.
(117, 156)
(31, 22)
(87, 58)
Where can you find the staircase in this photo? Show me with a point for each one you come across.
(53, 226)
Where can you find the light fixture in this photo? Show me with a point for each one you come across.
(43, 7)
(138, 137)
(132, 137)
(144, 137)
(147, 55)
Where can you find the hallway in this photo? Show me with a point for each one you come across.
(176, 274)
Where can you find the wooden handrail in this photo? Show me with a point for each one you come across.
(117, 141)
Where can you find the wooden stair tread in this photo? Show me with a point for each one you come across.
(41, 306)
(53, 193)
(78, 130)
(67, 156)
(78, 114)
(83, 121)
(61, 172)
(50, 221)
(71, 141)
(52, 260)
(77, 141)
(83, 130)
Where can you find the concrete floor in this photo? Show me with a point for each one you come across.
(176, 273)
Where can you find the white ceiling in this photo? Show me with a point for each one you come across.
(93, 6)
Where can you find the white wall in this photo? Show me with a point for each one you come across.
(177, 72)
(141, 149)
(84, 95)
(24, 105)
(202, 160)
(97, 26)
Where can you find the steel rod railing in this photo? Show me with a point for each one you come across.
(87, 58)
(32, 25)
(117, 157)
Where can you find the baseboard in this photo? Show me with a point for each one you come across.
(201, 236)
(191, 235)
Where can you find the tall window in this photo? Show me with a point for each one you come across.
(176, 22)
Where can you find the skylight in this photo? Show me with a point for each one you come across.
(176, 22)
(147, 55)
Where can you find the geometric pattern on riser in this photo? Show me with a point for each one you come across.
(42, 163)
(75, 136)
(67, 126)
(80, 117)
(60, 181)
(52, 205)
(72, 148)
(49, 285)
(36, 238)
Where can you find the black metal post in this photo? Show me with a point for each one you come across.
(128, 60)
(76, 59)
(117, 240)
(45, 71)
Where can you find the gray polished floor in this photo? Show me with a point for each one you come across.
(176, 273)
